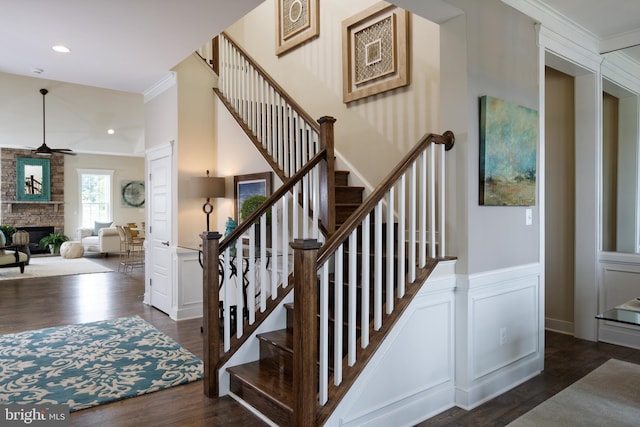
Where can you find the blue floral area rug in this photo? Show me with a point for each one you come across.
(91, 364)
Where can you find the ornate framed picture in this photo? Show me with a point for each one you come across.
(132, 194)
(245, 186)
(296, 22)
(375, 56)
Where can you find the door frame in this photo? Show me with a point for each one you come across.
(152, 154)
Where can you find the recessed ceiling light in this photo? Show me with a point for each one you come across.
(60, 48)
(111, 131)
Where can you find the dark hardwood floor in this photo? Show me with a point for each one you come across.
(38, 303)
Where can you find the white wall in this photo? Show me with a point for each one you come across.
(124, 168)
(502, 61)
(491, 50)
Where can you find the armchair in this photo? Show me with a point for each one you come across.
(103, 238)
(10, 256)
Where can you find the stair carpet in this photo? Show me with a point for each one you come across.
(267, 384)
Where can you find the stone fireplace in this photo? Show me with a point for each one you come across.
(21, 214)
(35, 234)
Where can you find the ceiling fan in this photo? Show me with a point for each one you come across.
(44, 149)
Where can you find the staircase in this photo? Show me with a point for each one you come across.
(267, 383)
(353, 274)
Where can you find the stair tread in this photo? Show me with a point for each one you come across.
(268, 379)
(358, 187)
(280, 338)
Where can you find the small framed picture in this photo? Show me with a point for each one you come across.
(245, 186)
(296, 22)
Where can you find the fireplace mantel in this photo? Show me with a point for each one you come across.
(17, 202)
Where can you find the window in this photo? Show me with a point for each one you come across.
(96, 196)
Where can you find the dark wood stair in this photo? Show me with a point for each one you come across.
(348, 197)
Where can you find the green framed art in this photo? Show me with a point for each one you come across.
(33, 180)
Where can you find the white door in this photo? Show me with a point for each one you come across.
(159, 229)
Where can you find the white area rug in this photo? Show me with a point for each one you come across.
(608, 396)
(53, 266)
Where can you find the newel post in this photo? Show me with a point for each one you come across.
(210, 311)
(327, 175)
(305, 331)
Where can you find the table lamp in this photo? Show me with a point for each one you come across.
(208, 187)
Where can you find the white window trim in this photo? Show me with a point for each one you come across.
(109, 172)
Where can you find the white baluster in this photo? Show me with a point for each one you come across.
(353, 298)
(338, 305)
(285, 240)
(249, 273)
(432, 200)
(263, 254)
(423, 210)
(366, 280)
(226, 306)
(315, 178)
(443, 207)
(402, 200)
(412, 222)
(324, 335)
(377, 290)
(389, 251)
(274, 251)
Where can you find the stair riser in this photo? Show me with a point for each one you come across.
(260, 401)
(276, 356)
(342, 177)
(349, 194)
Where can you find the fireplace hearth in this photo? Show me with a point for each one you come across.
(35, 234)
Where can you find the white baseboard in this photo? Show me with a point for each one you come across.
(560, 326)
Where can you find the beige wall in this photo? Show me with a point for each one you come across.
(196, 145)
(124, 168)
(560, 198)
(391, 122)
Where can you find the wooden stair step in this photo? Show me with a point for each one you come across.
(264, 387)
(344, 210)
(348, 194)
(342, 177)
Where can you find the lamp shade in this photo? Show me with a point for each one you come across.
(207, 187)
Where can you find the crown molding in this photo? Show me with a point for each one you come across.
(165, 83)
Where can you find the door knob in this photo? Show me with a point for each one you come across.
(166, 243)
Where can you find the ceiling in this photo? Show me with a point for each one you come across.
(121, 48)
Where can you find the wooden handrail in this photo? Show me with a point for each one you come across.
(356, 218)
(272, 200)
(276, 86)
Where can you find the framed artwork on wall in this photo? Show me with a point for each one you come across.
(296, 22)
(245, 186)
(132, 194)
(508, 150)
(375, 56)
(33, 179)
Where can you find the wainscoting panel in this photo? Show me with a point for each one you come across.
(188, 298)
(499, 332)
(411, 377)
(619, 278)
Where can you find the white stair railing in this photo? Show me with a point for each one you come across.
(284, 130)
(386, 245)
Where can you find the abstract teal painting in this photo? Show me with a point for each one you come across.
(508, 141)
